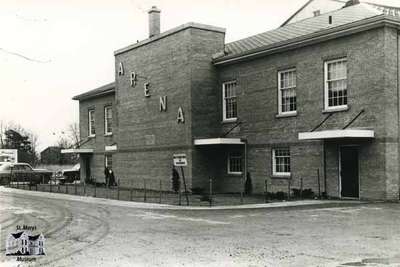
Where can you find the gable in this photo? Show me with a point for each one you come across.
(307, 11)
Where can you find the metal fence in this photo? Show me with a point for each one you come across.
(160, 191)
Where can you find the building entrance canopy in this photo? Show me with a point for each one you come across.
(337, 134)
(77, 151)
(218, 141)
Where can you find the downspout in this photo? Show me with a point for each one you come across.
(398, 108)
(324, 154)
(245, 164)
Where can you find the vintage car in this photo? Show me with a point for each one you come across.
(23, 173)
(68, 175)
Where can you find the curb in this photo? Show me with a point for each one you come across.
(288, 205)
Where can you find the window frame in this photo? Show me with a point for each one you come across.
(280, 174)
(106, 132)
(90, 125)
(280, 112)
(234, 155)
(326, 85)
(224, 107)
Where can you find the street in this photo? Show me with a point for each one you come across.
(83, 231)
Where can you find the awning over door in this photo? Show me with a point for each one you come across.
(218, 141)
(337, 134)
(77, 151)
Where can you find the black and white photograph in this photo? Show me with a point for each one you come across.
(210, 133)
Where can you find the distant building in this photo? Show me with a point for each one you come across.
(22, 243)
(52, 156)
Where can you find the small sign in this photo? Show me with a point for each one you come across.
(9, 155)
(180, 160)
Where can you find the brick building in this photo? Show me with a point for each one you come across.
(318, 96)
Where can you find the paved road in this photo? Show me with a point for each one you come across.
(102, 233)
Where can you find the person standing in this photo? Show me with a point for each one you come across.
(107, 175)
(112, 178)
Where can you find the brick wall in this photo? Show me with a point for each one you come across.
(372, 86)
(177, 66)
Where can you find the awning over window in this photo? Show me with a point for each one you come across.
(337, 134)
(77, 151)
(218, 141)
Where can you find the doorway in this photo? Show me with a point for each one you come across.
(349, 172)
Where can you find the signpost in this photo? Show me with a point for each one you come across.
(181, 161)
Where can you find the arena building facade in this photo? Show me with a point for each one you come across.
(314, 101)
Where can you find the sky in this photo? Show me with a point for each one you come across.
(51, 50)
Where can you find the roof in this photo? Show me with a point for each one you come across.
(170, 32)
(17, 235)
(343, 2)
(103, 90)
(304, 28)
(34, 237)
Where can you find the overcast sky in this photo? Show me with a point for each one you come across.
(51, 50)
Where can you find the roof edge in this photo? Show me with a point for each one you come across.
(170, 32)
(107, 89)
(357, 26)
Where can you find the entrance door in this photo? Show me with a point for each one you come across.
(349, 171)
(87, 167)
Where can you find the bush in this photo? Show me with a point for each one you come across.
(176, 183)
(205, 198)
(198, 190)
(278, 195)
(248, 187)
(307, 193)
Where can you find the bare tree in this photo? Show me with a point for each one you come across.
(73, 133)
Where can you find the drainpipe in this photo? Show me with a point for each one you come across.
(324, 153)
(245, 164)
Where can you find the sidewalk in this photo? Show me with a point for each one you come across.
(298, 204)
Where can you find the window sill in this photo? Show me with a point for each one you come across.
(281, 176)
(229, 120)
(108, 134)
(235, 173)
(286, 115)
(336, 109)
(92, 136)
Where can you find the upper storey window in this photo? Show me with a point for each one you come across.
(108, 120)
(92, 130)
(336, 84)
(287, 92)
(229, 101)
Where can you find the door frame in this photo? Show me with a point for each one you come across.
(340, 170)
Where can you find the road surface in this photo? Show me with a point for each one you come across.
(105, 233)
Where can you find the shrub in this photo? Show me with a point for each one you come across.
(248, 187)
(307, 193)
(198, 190)
(176, 183)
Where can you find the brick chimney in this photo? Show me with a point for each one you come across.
(154, 21)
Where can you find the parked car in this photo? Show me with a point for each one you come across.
(23, 173)
(68, 175)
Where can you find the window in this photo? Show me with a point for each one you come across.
(281, 162)
(92, 130)
(108, 120)
(229, 105)
(287, 92)
(108, 161)
(336, 84)
(235, 163)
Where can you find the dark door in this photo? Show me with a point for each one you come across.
(87, 167)
(349, 171)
